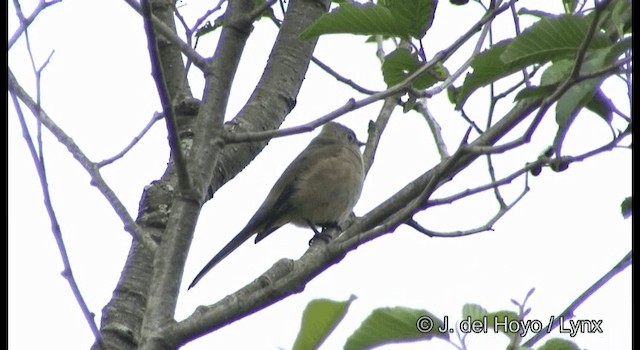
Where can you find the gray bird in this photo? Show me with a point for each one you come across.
(319, 188)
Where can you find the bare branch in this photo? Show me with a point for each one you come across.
(171, 36)
(504, 181)
(463, 68)
(421, 107)
(67, 273)
(26, 21)
(569, 311)
(136, 139)
(375, 131)
(352, 104)
(96, 178)
(184, 180)
(341, 78)
(335, 74)
(546, 103)
(486, 227)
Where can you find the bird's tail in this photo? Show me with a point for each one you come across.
(230, 247)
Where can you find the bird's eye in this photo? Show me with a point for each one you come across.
(351, 137)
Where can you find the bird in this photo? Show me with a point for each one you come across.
(320, 187)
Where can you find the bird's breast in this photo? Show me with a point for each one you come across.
(328, 190)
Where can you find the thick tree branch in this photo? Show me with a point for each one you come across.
(180, 166)
(204, 157)
(287, 277)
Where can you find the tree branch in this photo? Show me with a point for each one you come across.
(67, 273)
(96, 179)
(375, 131)
(26, 21)
(568, 312)
(134, 141)
(180, 166)
(170, 35)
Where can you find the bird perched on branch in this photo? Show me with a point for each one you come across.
(319, 188)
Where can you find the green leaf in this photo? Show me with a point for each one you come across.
(320, 318)
(625, 208)
(401, 63)
(579, 95)
(552, 39)
(616, 20)
(487, 68)
(394, 325)
(474, 311)
(536, 92)
(557, 72)
(416, 15)
(569, 5)
(559, 344)
(398, 18)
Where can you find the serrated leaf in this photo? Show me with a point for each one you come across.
(559, 344)
(401, 63)
(557, 72)
(417, 15)
(487, 68)
(320, 318)
(365, 19)
(625, 208)
(394, 325)
(399, 18)
(552, 38)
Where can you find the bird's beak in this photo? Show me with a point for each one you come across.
(360, 143)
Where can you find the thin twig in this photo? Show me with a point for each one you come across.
(584, 45)
(352, 104)
(486, 227)
(405, 213)
(569, 311)
(546, 103)
(26, 21)
(179, 162)
(172, 37)
(421, 107)
(341, 78)
(134, 141)
(504, 181)
(55, 225)
(257, 12)
(463, 68)
(376, 129)
(335, 74)
(96, 178)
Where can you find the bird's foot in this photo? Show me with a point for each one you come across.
(320, 235)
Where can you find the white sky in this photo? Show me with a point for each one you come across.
(564, 235)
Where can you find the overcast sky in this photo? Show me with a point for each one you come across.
(564, 235)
